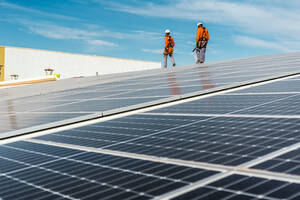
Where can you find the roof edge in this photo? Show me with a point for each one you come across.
(78, 54)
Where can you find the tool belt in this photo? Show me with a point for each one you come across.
(202, 43)
(202, 40)
(169, 51)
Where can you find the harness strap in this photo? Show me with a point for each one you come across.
(170, 44)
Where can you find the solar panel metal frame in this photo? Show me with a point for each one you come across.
(43, 127)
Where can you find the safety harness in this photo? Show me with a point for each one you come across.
(170, 44)
(201, 39)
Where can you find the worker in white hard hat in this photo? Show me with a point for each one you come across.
(201, 43)
(169, 45)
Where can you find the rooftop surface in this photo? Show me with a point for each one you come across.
(223, 130)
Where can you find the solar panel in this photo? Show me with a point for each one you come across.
(38, 170)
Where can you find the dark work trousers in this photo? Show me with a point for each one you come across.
(201, 52)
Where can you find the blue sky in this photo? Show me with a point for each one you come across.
(135, 28)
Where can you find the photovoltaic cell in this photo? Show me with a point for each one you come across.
(57, 172)
(240, 187)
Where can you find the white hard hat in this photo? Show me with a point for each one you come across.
(200, 23)
(167, 31)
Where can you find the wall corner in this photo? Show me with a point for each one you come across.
(2, 63)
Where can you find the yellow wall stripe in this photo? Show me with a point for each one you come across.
(2, 63)
(27, 82)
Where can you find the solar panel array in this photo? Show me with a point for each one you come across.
(107, 95)
(237, 145)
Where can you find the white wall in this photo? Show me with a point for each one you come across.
(30, 63)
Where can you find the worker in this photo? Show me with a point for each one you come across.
(201, 43)
(169, 45)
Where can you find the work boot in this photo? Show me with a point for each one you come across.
(198, 62)
(201, 61)
(174, 64)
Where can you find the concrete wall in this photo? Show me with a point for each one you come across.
(30, 63)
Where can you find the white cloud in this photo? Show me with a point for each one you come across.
(147, 35)
(101, 43)
(135, 35)
(190, 42)
(160, 51)
(54, 31)
(154, 51)
(91, 35)
(257, 43)
(276, 20)
(285, 45)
